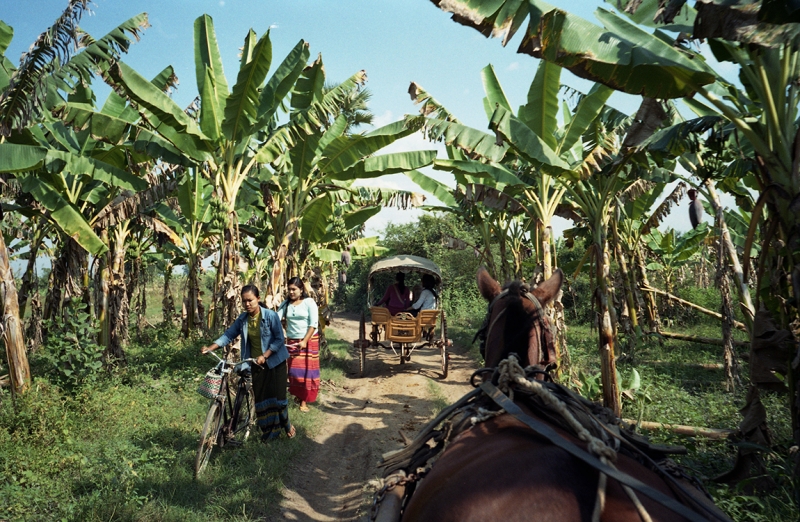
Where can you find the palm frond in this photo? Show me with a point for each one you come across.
(662, 211)
(23, 98)
(429, 106)
(129, 205)
(636, 189)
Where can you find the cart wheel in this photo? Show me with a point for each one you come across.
(444, 342)
(362, 344)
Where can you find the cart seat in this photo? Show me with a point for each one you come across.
(403, 328)
(427, 318)
(380, 315)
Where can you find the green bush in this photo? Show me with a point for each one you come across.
(71, 353)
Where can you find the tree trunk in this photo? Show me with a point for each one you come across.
(227, 302)
(168, 301)
(118, 304)
(741, 282)
(18, 368)
(630, 299)
(68, 279)
(33, 330)
(726, 307)
(276, 281)
(654, 321)
(608, 367)
(29, 279)
(193, 313)
(102, 276)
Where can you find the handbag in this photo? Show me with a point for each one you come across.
(212, 382)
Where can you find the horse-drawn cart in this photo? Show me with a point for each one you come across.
(403, 332)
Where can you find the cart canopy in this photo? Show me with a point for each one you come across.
(406, 263)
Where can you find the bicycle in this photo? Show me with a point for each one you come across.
(226, 421)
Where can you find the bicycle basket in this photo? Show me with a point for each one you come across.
(212, 382)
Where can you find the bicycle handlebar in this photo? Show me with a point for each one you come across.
(224, 362)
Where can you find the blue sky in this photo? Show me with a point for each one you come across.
(395, 41)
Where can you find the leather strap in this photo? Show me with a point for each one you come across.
(545, 431)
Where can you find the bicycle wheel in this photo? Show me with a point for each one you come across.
(243, 414)
(208, 438)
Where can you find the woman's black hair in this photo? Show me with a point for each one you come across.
(296, 281)
(250, 288)
(429, 282)
(401, 281)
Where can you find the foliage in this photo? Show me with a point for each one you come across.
(428, 238)
(123, 447)
(71, 352)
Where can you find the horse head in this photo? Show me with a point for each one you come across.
(515, 321)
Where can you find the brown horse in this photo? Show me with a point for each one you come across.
(508, 467)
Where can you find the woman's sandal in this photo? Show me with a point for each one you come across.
(304, 409)
(291, 433)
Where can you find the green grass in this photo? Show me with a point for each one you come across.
(335, 361)
(124, 448)
(437, 398)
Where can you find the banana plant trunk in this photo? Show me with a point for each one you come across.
(19, 369)
(608, 367)
(118, 304)
(630, 299)
(651, 306)
(276, 281)
(745, 301)
(168, 301)
(193, 308)
(226, 303)
(29, 278)
(68, 279)
(554, 309)
(102, 276)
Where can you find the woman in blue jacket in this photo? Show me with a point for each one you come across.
(262, 339)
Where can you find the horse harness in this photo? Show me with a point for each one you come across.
(407, 466)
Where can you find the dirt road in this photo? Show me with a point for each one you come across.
(362, 420)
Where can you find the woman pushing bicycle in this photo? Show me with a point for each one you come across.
(262, 340)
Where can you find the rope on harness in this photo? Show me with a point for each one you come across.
(511, 374)
(482, 414)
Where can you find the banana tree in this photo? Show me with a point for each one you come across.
(191, 229)
(627, 58)
(637, 217)
(541, 150)
(302, 191)
(46, 69)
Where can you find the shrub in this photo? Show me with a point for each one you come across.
(71, 353)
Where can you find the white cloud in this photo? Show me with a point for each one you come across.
(382, 119)
(513, 66)
(274, 26)
(222, 3)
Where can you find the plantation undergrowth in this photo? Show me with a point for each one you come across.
(123, 447)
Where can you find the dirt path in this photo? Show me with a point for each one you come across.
(362, 420)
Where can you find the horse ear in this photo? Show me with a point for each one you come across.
(548, 290)
(488, 287)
